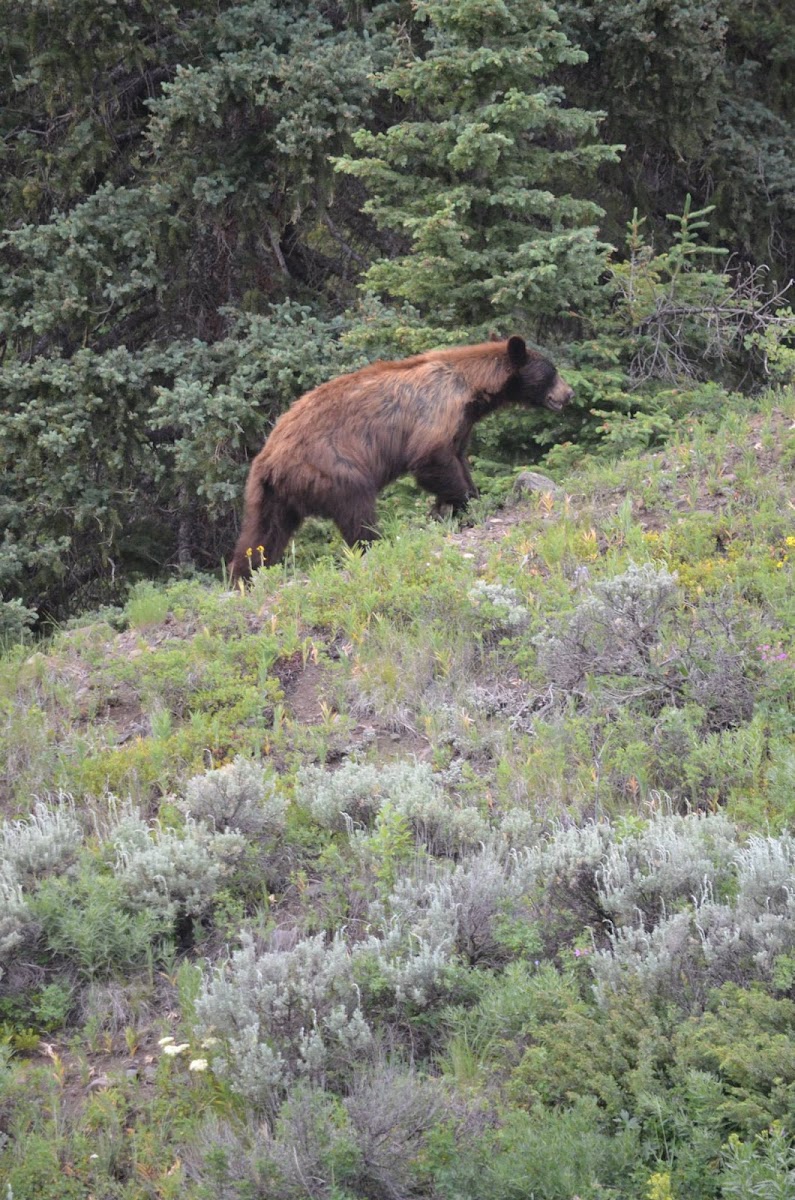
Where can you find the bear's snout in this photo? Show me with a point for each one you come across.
(559, 395)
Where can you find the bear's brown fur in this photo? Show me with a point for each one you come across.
(340, 444)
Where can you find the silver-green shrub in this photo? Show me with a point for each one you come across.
(44, 842)
(612, 632)
(436, 916)
(663, 961)
(356, 793)
(558, 878)
(371, 1143)
(312, 1152)
(238, 797)
(416, 973)
(710, 941)
(482, 889)
(780, 782)
(391, 1111)
(565, 864)
(417, 929)
(406, 907)
(440, 824)
(743, 939)
(564, 850)
(741, 945)
(766, 874)
(283, 1016)
(498, 609)
(650, 873)
(518, 829)
(172, 873)
(14, 916)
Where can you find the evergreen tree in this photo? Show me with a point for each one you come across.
(164, 168)
(701, 93)
(750, 159)
(483, 175)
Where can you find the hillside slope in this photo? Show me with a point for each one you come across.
(456, 868)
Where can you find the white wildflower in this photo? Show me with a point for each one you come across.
(172, 1051)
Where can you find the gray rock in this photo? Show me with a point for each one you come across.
(533, 481)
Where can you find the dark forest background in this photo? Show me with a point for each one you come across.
(208, 208)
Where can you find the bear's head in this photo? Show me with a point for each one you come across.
(536, 378)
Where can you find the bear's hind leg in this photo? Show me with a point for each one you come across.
(279, 534)
(356, 518)
(264, 538)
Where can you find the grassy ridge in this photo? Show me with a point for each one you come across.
(477, 840)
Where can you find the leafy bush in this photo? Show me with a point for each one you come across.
(763, 1167)
(680, 315)
(85, 923)
(283, 1016)
(545, 1155)
(613, 633)
(687, 1083)
(744, 1040)
(15, 621)
(357, 792)
(14, 914)
(172, 874)
(569, 1047)
(709, 942)
(43, 842)
(238, 797)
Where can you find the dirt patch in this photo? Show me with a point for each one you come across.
(80, 1077)
(405, 744)
(306, 687)
(308, 695)
(122, 711)
(309, 700)
(477, 541)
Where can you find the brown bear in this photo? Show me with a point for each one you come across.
(334, 450)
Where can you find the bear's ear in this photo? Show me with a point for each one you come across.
(517, 351)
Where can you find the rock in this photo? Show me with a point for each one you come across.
(533, 481)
